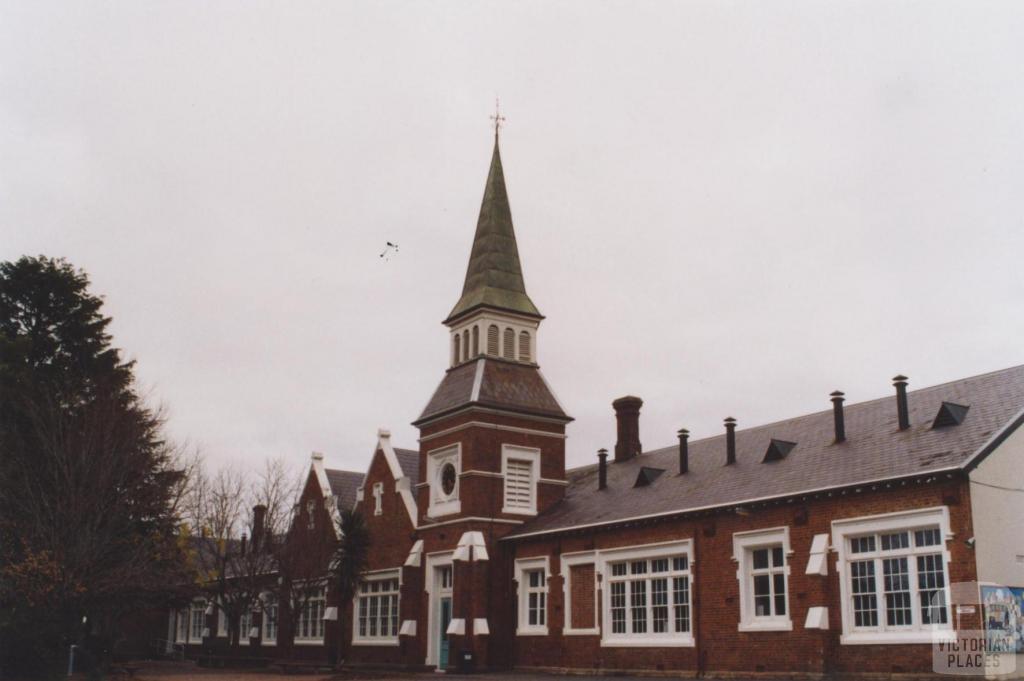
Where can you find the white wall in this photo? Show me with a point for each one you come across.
(999, 518)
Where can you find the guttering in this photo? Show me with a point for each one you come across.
(731, 504)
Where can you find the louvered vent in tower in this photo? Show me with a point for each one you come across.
(524, 346)
(519, 484)
(509, 351)
(492, 340)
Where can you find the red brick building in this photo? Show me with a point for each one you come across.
(836, 542)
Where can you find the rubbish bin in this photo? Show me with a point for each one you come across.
(467, 662)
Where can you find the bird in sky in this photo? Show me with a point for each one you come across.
(388, 249)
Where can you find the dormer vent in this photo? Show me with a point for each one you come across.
(950, 414)
(777, 450)
(647, 475)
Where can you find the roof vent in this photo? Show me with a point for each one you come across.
(647, 475)
(777, 450)
(950, 414)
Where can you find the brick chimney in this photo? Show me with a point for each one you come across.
(259, 519)
(627, 416)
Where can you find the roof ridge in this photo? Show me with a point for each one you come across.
(829, 410)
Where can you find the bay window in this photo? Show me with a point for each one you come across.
(310, 627)
(763, 574)
(647, 596)
(894, 580)
(532, 583)
(376, 611)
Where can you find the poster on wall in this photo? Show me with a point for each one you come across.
(1004, 626)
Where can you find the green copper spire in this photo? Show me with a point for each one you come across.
(494, 277)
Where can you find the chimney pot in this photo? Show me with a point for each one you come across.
(684, 451)
(902, 408)
(837, 412)
(730, 441)
(627, 417)
(602, 468)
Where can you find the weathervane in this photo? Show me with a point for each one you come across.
(497, 117)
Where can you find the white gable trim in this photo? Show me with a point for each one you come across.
(403, 484)
(330, 503)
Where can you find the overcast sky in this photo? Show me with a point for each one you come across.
(726, 208)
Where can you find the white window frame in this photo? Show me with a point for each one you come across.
(269, 603)
(222, 622)
(244, 626)
(378, 498)
(184, 623)
(523, 591)
(532, 455)
(316, 620)
(440, 503)
(377, 576)
(743, 546)
(843, 530)
(194, 607)
(644, 552)
(568, 560)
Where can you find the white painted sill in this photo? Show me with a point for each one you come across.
(648, 642)
(770, 625)
(897, 637)
(308, 642)
(518, 511)
(581, 632)
(387, 642)
(532, 631)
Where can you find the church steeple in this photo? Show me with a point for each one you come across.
(494, 277)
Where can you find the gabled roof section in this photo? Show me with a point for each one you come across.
(494, 277)
(497, 384)
(409, 462)
(876, 450)
(344, 485)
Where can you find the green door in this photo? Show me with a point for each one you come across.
(446, 617)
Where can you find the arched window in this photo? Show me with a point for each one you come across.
(492, 340)
(524, 346)
(476, 341)
(509, 350)
(465, 345)
(455, 350)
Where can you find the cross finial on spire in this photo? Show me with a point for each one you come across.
(497, 117)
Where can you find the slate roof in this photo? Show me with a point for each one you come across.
(344, 485)
(503, 385)
(409, 460)
(494, 277)
(875, 450)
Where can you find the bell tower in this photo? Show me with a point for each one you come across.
(492, 436)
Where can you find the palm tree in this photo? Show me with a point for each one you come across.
(349, 561)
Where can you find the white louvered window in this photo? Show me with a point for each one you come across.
(519, 484)
(520, 466)
(524, 346)
(492, 340)
(509, 349)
